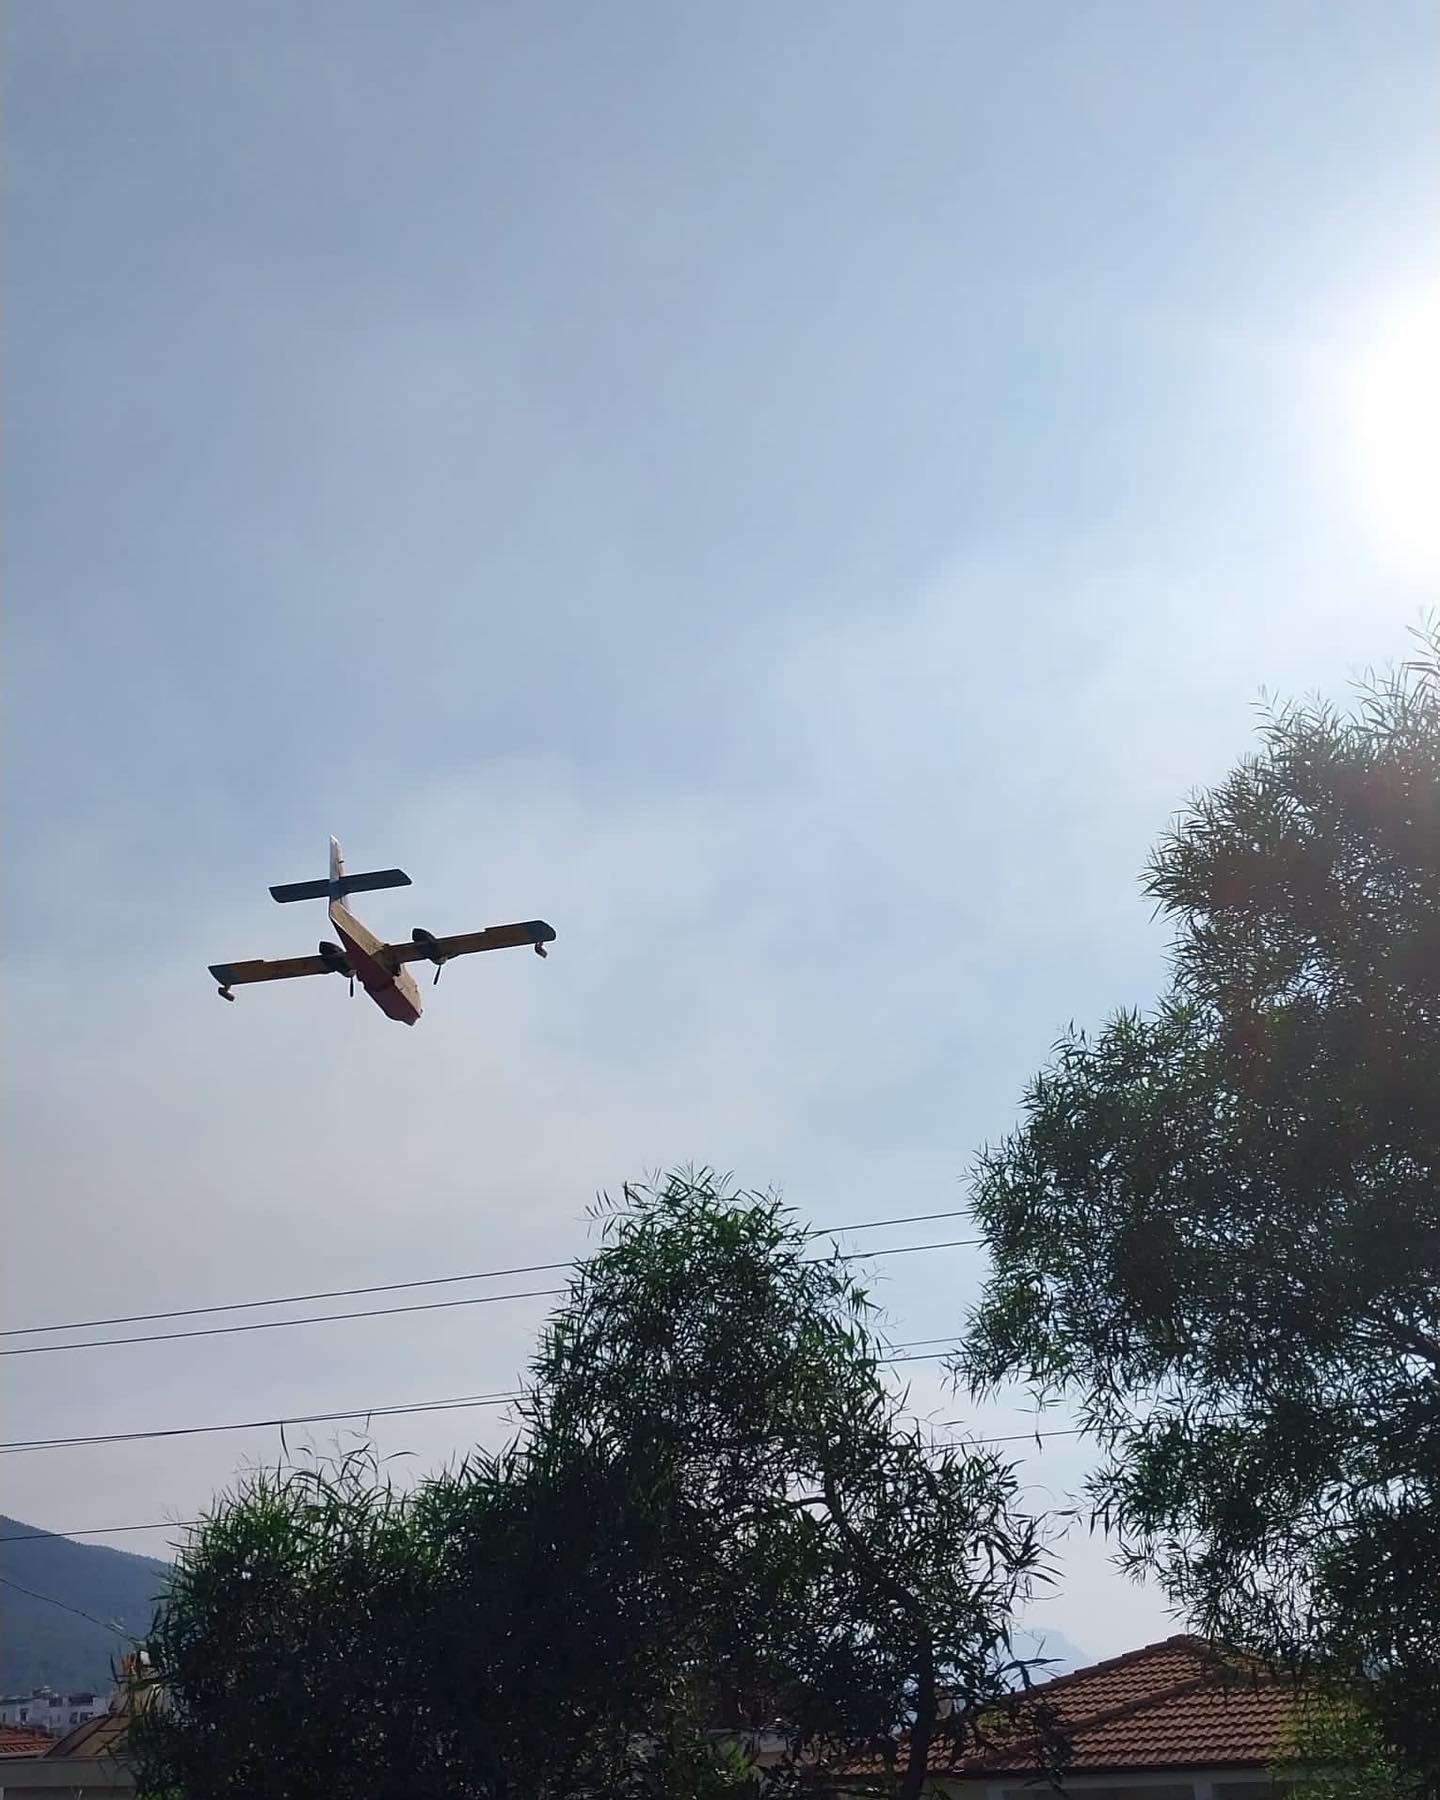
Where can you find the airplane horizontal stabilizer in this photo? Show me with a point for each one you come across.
(340, 886)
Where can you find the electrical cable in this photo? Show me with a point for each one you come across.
(50, 1599)
(462, 1403)
(389, 1287)
(465, 1403)
(201, 1331)
(380, 1312)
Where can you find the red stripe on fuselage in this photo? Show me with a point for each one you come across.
(396, 993)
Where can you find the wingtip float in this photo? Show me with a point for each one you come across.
(380, 968)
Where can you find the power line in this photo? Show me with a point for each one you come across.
(379, 1312)
(190, 1312)
(464, 1402)
(369, 1312)
(955, 1212)
(63, 1537)
(468, 1401)
(24, 1537)
(908, 1249)
(390, 1287)
(1036, 1437)
(50, 1599)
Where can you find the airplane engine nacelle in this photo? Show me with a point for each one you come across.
(428, 943)
(333, 957)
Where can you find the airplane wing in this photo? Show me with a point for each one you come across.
(229, 974)
(494, 937)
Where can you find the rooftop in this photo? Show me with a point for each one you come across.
(103, 1735)
(21, 1740)
(1183, 1703)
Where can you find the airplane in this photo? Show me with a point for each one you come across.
(361, 956)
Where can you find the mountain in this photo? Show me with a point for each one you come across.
(1061, 1656)
(44, 1645)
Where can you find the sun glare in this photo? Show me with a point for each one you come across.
(1395, 410)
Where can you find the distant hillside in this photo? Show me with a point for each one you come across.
(43, 1646)
(1061, 1656)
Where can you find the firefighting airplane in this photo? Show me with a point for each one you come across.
(361, 956)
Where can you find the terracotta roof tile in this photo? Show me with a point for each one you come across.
(1181, 1703)
(1211, 1724)
(22, 1740)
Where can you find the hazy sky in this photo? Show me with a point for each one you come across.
(794, 496)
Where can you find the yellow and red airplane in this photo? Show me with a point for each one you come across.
(361, 956)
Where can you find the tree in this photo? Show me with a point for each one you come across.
(489, 1633)
(839, 1579)
(1337, 1752)
(1217, 1228)
(715, 1519)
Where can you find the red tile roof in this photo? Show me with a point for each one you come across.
(1101, 1686)
(23, 1740)
(1182, 1703)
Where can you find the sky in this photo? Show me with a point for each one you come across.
(796, 497)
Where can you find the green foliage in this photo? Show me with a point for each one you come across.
(830, 1572)
(476, 1636)
(1218, 1228)
(715, 1523)
(1337, 1752)
(283, 1644)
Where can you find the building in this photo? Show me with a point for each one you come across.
(1177, 1720)
(45, 1710)
(86, 1762)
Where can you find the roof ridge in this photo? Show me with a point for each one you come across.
(1179, 1640)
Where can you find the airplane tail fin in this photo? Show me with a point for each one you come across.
(339, 883)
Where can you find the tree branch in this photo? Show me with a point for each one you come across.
(922, 1732)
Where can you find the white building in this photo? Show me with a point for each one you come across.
(45, 1710)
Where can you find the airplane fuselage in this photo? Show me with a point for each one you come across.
(394, 990)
